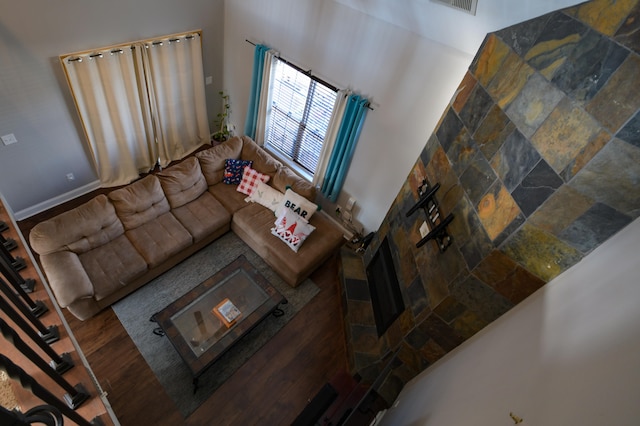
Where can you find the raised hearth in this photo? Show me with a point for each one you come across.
(368, 351)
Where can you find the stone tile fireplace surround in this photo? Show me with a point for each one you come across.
(538, 158)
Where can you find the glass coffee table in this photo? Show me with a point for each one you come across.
(196, 324)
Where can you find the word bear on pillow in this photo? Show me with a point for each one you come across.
(297, 204)
(296, 209)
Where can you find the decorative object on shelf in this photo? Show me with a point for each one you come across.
(435, 227)
(364, 242)
(221, 123)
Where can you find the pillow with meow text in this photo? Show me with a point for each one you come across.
(292, 229)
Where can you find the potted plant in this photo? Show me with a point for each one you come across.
(221, 124)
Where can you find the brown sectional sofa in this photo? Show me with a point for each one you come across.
(101, 251)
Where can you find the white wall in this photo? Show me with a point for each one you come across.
(35, 103)
(408, 78)
(567, 355)
(447, 25)
(378, 48)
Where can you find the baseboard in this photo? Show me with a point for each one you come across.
(56, 201)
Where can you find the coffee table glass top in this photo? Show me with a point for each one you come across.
(197, 323)
(197, 333)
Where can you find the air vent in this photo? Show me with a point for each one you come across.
(468, 6)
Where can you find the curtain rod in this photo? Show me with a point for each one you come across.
(117, 48)
(308, 74)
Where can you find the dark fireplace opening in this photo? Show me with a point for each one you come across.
(384, 288)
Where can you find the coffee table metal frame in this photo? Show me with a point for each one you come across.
(198, 336)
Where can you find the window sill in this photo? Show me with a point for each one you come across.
(293, 166)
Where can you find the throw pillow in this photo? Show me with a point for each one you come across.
(297, 204)
(250, 179)
(233, 170)
(292, 229)
(266, 196)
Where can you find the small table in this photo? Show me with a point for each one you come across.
(197, 334)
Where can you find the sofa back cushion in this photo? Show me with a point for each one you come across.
(212, 159)
(286, 178)
(183, 182)
(80, 230)
(262, 160)
(139, 202)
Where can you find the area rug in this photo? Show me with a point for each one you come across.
(135, 310)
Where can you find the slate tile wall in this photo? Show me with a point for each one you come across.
(538, 158)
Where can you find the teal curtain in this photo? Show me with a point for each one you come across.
(345, 145)
(254, 96)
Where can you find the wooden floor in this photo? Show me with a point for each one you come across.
(269, 389)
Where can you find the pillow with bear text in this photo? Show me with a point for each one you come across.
(297, 204)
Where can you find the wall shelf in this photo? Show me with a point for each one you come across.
(435, 222)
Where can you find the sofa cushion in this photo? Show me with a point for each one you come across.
(159, 239)
(231, 199)
(212, 159)
(183, 182)
(139, 202)
(203, 216)
(112, 266)
(262, 160)
(67, 277)
(81, 229)
(284, 178)
(253, 225)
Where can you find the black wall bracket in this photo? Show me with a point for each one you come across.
(436, 223)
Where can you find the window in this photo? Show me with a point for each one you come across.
(301, 109)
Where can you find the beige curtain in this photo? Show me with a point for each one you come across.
(177, 95)
(140, 104)
(106, 88)
(330, 136)
(264, 109)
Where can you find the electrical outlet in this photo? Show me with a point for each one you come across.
(208, 80)
(70, 177)
(350, 203)
(9, 139)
